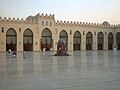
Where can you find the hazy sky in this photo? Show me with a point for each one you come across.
(95, 11)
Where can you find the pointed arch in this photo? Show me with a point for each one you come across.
(118, 40)
(100, 40)
(11, 39)
(63, 34)
(77, 41)
(46, 39)
(89, 41)
(28, 40)
(110, 41)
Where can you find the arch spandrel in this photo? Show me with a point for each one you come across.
(77, 34)
(11, 31)
(28, 32)
(46, 32)
(89, 34)
(63, 33)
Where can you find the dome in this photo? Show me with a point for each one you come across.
(61, 41)
(29, 18)
(105, 23)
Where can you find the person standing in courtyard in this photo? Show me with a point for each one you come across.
(10, 51)
(114, 51)
(44, 49)
(14, 54)
(51, 49)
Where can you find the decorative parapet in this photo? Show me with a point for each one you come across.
(15, 21)
(86, 24)
(35, 20)
(28, 20)
(117, 26)
(46, 16)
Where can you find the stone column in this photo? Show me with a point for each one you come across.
(83, 41)
(114, 39)
(106, 41)
(3, 40)
(55, 39)
(95, 41)
(36, 40)
(70, 41)
(19, 40)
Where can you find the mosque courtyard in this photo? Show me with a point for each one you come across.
(82, 70)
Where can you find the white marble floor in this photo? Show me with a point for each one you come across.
(82, 70)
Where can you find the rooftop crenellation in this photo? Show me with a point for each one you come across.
(85, 24)
(46, 16)
(16, 20)
(35, 20)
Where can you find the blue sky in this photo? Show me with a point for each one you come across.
(95, 11)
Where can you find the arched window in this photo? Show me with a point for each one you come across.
(118, 40)
(46, 23)
(77, 40)
(46, 39)
(63, 34)
(28, 40)
(11, 39)
(50, 23)
(42, 23)
(100, 40)
(89, 41)
(110, 41)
